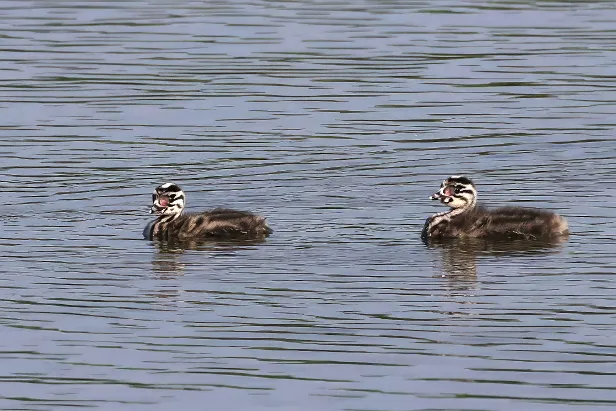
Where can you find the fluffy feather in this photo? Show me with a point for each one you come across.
(465, 219)
(172, 223)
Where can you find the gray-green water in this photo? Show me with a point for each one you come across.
(336, 120)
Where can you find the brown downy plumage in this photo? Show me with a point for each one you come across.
(168, 204)
(466, 219)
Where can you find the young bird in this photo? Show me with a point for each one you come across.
(466, 219)
(172, 223)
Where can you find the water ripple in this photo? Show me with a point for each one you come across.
(335, 120)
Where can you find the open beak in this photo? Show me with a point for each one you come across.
(156, 209)
(442, 197)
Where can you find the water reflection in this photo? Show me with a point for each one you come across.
(330, 117)
(167, 260)
(459, 255)
(179, 246)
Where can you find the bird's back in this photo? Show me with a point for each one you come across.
(512, 222)
(506, 222)
(217, 223)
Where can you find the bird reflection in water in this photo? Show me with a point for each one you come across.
(168, 262)
(458, 256)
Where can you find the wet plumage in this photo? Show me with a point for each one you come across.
(172, 223)
(466, 219)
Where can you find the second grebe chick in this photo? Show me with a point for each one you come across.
(467, 219)
(172, 223)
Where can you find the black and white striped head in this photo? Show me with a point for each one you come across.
(457, 192)
(168, 199)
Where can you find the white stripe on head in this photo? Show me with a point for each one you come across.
(165, 185)
(174, 201)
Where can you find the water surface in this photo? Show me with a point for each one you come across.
(336, 120)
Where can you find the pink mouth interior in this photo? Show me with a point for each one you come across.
(163, 201)
(448, 191)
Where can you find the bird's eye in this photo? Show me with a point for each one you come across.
(457, 190)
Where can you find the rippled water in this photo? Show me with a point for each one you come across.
(336, 120)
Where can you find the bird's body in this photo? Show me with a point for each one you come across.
(220, 223)
(466, 219)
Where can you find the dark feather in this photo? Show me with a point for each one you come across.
(506, 222)
(217, 223)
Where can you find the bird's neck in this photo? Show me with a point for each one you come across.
(169, 218)
(448, 215)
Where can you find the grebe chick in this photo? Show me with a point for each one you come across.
(172, 223)
(466, 219)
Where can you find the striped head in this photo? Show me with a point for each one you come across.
(457, 192)
(168, 200)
